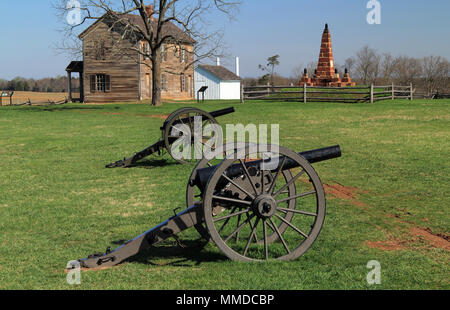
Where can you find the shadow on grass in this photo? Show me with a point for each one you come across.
(193, 254)
(153, 163)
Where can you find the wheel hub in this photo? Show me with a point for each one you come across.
(264, 206)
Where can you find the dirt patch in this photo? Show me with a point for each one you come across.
(343, 192)
(158, 116)
(414, 235)
(66, 271)
(440, 241)
(392, 245)
(162, 116)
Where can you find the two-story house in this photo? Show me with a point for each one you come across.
(113, 70)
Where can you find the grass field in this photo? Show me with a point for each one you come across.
(388, 197)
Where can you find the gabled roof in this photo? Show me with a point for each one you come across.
(221, 72)
(168, 29)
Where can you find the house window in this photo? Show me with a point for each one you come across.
(163, 82)
(163, 53)
(100, 50)
(100, 83)
(183, 55)
(146, 50)
(183, 83)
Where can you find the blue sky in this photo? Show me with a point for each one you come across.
(290, 28)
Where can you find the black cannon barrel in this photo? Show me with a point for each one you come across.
(222, 112)
(313, 156)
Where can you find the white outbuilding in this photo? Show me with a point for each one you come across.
(222, 83)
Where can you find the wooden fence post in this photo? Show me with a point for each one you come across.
(393, 91)
(371, 93)
(242, 93)
(411, 92)
(69, 85)
(304, 93)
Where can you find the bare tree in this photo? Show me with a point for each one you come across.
(311, 68)
(388, 65)
(367, 65)
(349, 64)
(189, 15)
(297, 72)
(407, 70)
(436, 74)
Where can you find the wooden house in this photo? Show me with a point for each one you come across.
(112, 69)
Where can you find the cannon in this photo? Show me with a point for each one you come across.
(253, 206)
(183, 116)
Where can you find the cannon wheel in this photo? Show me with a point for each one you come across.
(263, 208)
(179, 117)
(193, 196)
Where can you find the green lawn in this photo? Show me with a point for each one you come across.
(388, 197)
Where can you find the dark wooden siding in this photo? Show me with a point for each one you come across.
(103, 55)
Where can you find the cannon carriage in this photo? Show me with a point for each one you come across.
(183, 116)
(260, 202)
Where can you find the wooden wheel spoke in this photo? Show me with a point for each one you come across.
(296, 196)
(247, 174)
(275, 228)
(238, 229)
(238, 186)
(272, 186)
(266, 250)
(230, 215)
(262, 181)
(289, 183)
(292, 226)
(190, 121)
(251, 226)
(238, 223)
(253, 234)
(284, 210)
(227, 220)
(232, 200)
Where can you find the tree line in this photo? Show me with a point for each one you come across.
(57, 84)
(429, 75)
